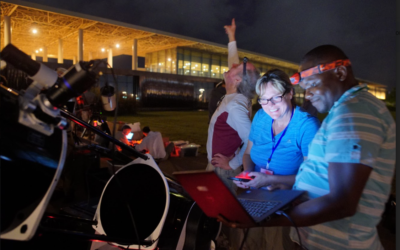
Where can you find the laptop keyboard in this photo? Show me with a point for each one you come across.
(258, 208)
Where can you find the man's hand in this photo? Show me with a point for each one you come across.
(221, 161)
(230, 30)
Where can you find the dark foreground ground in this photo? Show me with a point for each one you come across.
(60, 200)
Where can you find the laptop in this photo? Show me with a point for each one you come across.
(250, 207)
(129, 136)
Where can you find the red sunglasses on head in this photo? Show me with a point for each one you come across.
(297, 77)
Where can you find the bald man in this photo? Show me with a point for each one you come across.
(351, 160)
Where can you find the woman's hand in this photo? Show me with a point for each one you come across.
(259, 180)
(241, 184)
(271, 182)
(221, 161)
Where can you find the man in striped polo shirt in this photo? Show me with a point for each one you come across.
(351, 160)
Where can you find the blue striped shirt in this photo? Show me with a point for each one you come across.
(358, 129)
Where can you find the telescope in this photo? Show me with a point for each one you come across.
(33, 146)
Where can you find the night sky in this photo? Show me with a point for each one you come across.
(285, 29)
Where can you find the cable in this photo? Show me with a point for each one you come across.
(294, 224)
(244, 238)
(5, 79)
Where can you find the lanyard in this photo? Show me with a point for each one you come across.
(273, 139)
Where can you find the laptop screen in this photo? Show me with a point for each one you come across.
(129, 136)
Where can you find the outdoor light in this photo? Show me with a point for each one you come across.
(124, 92)
(201, 90)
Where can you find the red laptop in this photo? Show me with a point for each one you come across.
(214, 198)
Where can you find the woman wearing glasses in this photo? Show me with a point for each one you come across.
(278, 143)
(279, 137)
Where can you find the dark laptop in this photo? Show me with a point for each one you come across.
(214, 198)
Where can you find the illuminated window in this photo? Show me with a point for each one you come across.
(161, 61)
(196, 63)
(187, 61)
(215, 66)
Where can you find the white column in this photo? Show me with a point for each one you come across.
(7, 30)
(45, 54)
(74, 60)
(33, 56)
(60, 58)
(80, 45)
(134, 54)
(90, 55)
(110, 57)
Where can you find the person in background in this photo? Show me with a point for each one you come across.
(154, 145)
(215, 96)
(229, 126)
(350, 163)
(233, 58)
(126, 129)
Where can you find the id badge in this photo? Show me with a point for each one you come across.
(266, 171)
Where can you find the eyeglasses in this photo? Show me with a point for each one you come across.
(274, 100)
(299, 76)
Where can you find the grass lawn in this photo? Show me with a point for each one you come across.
(189, 126)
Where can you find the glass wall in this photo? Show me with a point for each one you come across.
(187, 61)
(206, 64)
(163, 61)
(378, 92)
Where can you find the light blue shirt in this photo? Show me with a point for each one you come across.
(358, 129)
(293, 147)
